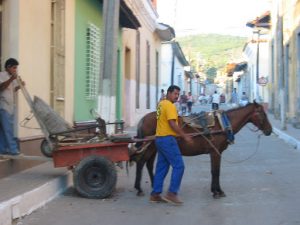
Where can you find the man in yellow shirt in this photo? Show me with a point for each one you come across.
(167, 148)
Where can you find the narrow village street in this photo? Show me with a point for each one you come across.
(73, 92)
(259, 177)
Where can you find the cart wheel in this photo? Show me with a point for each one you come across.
(95, 177)
(45, 148)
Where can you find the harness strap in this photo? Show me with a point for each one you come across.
(226, 126)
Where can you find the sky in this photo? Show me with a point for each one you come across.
(211, 16)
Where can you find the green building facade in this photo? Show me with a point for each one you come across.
(88, 58)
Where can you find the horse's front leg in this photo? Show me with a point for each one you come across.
(215, 160)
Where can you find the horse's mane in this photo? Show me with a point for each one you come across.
(239, 107)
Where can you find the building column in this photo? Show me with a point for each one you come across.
(107, 98)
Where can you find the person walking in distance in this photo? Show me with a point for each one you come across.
(169, 154)
(189, 102)
(234, 97)
(8, 88)
(244, 99)
(215, 101)
(183, 103)
(162, 95)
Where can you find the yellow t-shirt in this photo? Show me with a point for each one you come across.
(166, 110)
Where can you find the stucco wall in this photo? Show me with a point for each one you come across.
(131, 114)
(69, 60)
(166, 65)
(26, 36)
(87, 11)
(34, 54)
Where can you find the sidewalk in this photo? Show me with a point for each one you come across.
(291, 135)
(22, 193)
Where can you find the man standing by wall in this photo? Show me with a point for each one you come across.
(8, 87)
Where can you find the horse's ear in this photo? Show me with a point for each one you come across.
(254, 101)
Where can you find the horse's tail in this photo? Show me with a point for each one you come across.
(139, 132)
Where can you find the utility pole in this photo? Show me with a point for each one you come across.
(107, 101)
(257, 65)
(281, 72)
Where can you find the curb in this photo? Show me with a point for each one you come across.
(24, 204)
(287, 138)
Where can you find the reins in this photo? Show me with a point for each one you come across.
(229, 161)
(217, 151)
(253, 130)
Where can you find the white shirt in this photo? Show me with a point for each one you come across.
(216, 98)
(7, 96)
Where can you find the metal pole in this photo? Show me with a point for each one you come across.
(257, 65)
(281, 79)
(31, 105)
(173, 65)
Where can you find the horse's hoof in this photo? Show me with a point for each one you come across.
(216, 196)
(140, 194)
(219, 195)
(222, 195)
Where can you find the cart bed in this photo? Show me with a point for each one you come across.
(66, 156)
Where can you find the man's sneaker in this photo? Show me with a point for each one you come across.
(172, 198)
(156, 198)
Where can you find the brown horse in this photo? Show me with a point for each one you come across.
(213, 144)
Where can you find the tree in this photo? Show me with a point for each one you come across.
(211, 73)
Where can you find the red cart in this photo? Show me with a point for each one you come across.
(93, 165)
(91, 155)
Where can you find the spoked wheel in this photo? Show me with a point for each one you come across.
(46, 149)
(95, 177)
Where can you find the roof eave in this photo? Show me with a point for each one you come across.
(127, 17)
(165, 32)
(179, 53)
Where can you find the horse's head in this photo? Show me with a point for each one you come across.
(260, 120)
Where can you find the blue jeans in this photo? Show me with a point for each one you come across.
(168, 154)
(8, 143)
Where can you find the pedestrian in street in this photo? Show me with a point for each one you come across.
(234, 97)
(168, 150)
(215, 101)
(8, 89)
(244, 99)
(183, 103)
(189, 102)
(162, 95)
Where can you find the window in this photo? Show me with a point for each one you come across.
(92, 61)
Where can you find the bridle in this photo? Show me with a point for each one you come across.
(258, 119)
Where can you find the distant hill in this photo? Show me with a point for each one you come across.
(211, 52)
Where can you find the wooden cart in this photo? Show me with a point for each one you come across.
(91, 155)
(93, 165)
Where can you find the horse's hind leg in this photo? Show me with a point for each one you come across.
(149, 165)
(138, 177)
(215, 160)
